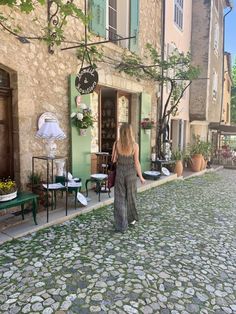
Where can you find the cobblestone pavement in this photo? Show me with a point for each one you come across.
(180, 258)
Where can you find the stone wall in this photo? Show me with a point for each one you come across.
(39, 80)
(206, 15)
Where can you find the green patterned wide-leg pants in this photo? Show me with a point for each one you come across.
(125, 210)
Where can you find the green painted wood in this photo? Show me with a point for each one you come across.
(134, 24)
(80, 145)
(145, 135)
(97, 11)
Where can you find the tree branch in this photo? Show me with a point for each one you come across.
(177, 101)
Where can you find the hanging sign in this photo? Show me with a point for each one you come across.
(86, 80)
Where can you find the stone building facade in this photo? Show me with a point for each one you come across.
(207, 52)
(37, 82)
(178, 27)
(226, 112)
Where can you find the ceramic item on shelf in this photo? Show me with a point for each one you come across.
(81, 198)
(69, 176)
(165, 171)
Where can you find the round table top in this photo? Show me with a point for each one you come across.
(99, 176)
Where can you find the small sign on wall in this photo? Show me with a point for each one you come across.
(86, 80)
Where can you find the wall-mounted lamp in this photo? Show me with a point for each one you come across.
(50, 131)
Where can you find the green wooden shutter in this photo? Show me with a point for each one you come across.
(80, 145)
(145, 136)
(97, 12)
(134, 24)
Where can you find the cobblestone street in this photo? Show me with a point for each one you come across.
(179, 258)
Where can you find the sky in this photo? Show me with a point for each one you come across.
(230, 32)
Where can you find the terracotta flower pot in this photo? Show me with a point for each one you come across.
(196, 162)
(178, 168)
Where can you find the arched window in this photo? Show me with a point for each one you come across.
(4, 79)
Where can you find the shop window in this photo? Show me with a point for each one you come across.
(95, 128)
(115, 110)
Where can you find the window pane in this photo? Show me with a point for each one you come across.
(112, 18)
(113, 4)
(178, 14)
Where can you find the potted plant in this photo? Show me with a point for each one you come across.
(82, 119)
(195, 151)
(206, 152)
(177, 155)
(147, 124)
(8, 190)
(35, 185)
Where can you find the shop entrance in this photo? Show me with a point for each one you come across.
(115, 110)
(6, 139)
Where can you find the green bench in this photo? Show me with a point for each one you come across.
(21, 199)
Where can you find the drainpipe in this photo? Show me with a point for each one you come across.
(228, 2)
(159, 112)
(223, 61)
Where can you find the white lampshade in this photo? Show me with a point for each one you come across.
(50, 131)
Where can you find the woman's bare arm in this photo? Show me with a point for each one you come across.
(137, 163)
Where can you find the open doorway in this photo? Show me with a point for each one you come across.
(115, 110)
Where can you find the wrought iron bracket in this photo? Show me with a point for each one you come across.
(53, 21)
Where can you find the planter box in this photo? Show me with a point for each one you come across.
(8, 197)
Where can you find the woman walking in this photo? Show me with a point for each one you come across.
(125, 153)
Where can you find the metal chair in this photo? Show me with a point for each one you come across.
(71, 189)
(100, 178)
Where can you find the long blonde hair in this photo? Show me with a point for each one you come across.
(126, 141)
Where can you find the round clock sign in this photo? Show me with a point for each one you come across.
(86, 80)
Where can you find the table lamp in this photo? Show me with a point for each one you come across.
(50, 131)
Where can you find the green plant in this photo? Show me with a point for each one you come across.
(177, 154)
(196, 147)
(200, 147)
(147, 123)
(207, 150)
(35, 178)
(83, 118)
(7, 186)
(176, 71)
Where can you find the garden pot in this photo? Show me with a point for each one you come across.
(8, 197)
(204, 163)
(196, 162)
(178, 168)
